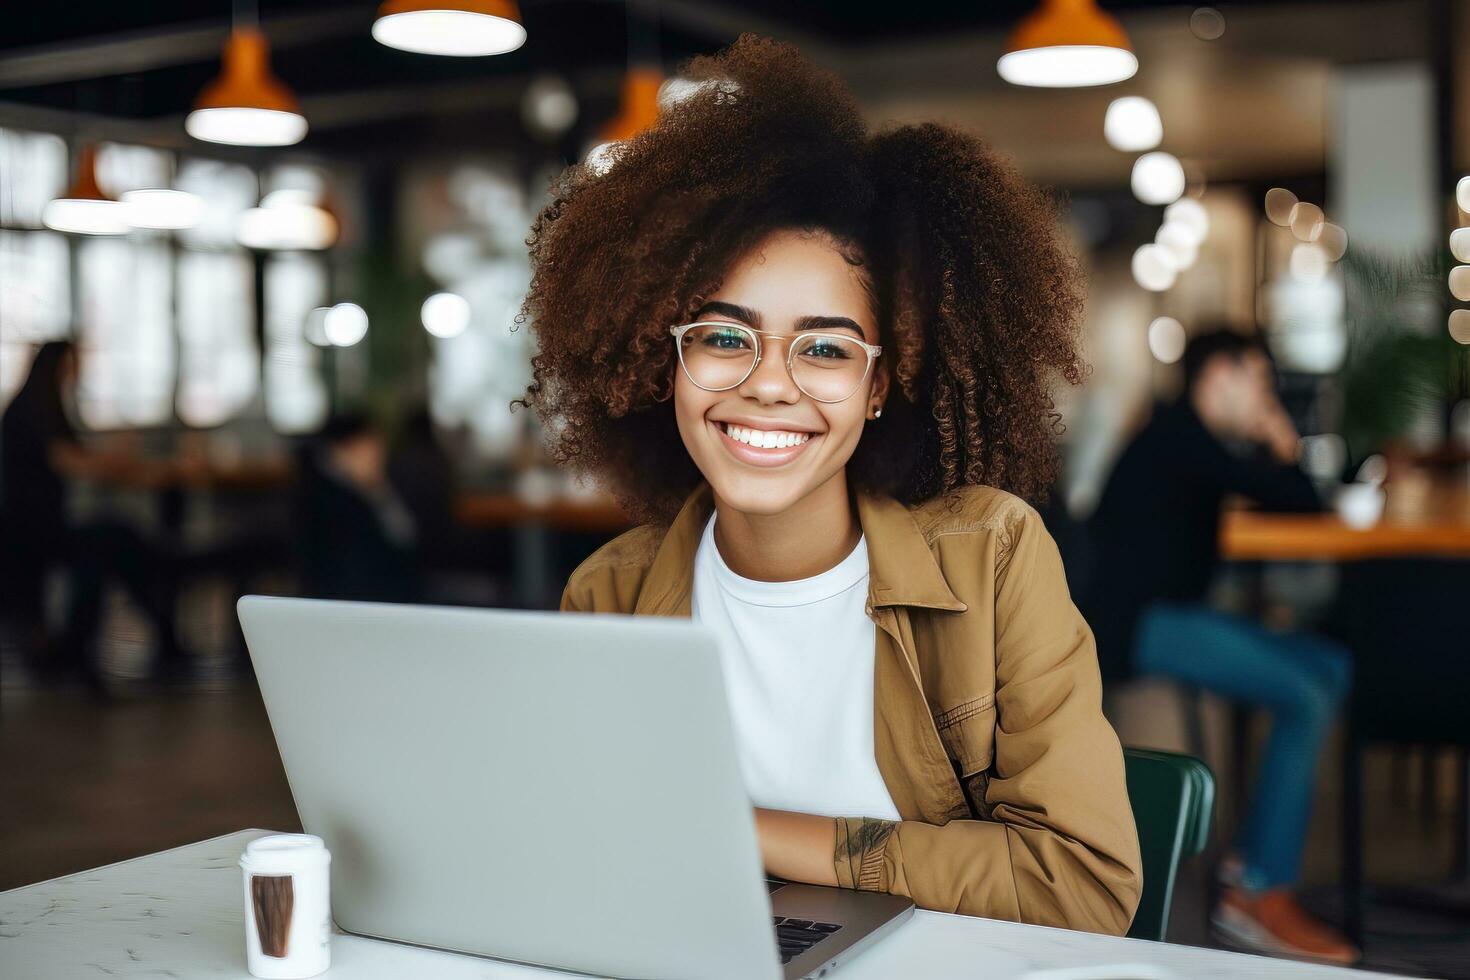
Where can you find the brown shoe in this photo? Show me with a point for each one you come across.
(1274, 922)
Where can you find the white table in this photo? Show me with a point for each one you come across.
(178, 914)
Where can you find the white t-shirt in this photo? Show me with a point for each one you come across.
(797, 659)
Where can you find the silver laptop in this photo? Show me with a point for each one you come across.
(551, 788)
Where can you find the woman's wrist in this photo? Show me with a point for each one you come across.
(797, 846)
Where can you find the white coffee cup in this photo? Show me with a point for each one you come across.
(288, 919)
(1360, 505)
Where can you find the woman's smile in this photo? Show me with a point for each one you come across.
(763, 446)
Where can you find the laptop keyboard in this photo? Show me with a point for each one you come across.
(796, 936)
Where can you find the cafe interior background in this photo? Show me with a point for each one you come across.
(1288, 168)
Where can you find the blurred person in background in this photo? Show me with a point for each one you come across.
(358, 539)
(39, 453)
(1154, 537)
(422, 472)
(818, 363)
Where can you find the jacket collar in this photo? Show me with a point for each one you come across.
(902, 571)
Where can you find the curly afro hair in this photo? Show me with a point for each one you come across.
(975, 289)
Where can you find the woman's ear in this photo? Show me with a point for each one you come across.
(879, 395)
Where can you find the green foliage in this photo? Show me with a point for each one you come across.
(1401, 360)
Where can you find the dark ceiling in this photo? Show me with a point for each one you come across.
(145, 62)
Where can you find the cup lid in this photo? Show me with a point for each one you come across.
(284, 853)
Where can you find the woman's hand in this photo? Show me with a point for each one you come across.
(797, 846)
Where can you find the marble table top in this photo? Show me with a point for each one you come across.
(178, 914)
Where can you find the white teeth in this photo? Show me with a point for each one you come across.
(766, 438)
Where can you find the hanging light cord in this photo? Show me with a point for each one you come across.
(246, 13)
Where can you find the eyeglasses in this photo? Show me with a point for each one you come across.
(718, 355)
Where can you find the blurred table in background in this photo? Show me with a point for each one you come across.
(534, 521)
(1424, 531)
(1427, 513)
(594, 515)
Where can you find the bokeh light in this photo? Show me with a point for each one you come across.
(1460, 326)
(445, 315)
(1132, 124)
(1460, 283)
(345, 324)
(1158, 178)
(1190, 215)
(1308, 262)
(1333, 240)
(1306, 221)
(1154, 268)
(1279, 202)
(1166, 339)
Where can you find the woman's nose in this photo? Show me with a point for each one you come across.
(770, 381)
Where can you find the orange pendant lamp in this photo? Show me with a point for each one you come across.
(1067, 44)
(247, 105)
(85, 209)
(459, 28)
(639, 108)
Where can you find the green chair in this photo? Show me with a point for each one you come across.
(1173, 797)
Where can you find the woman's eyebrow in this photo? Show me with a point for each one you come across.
(812, 322)
(829, 323)
(742, 313)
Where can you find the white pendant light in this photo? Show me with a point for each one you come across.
(1066, 44)
(85, 209)
(246, 105)
(1132, 124)
(287, 220)
(163, 209)
(457, 28)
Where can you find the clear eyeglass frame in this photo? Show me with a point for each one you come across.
(678, 331)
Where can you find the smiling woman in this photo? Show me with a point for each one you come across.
(818, 361)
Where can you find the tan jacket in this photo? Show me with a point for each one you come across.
(988, 725)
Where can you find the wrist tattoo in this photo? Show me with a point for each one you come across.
(863, 835)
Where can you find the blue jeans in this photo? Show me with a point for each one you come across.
(1301, 679)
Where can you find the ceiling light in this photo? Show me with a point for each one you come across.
(458, 28)
(1067, 43)
(163, 209)
(287, 220)
(639, 107)
(246, 105)
(84, 209)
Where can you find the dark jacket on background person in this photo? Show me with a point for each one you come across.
(988, 724)
(353, 546)
(1155, 533)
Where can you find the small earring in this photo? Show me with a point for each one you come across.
(877, 413)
